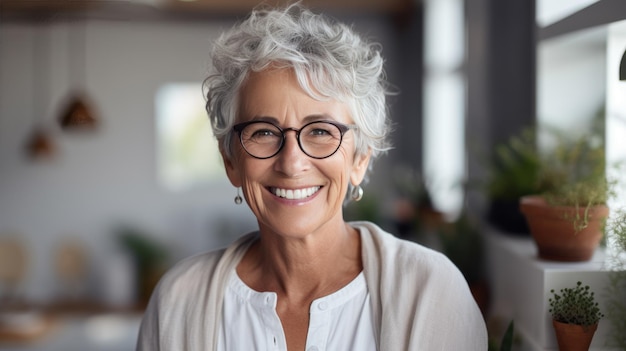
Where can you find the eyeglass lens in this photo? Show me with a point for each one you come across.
(317, 139)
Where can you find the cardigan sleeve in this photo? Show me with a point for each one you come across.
(181, 310)
(149, 330)
(420, 299)
(185, 309)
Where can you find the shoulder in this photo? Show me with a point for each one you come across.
(191, 271)
(195, 274)
(401, 254)
(170, 315)
(435, 294)
(187, 301)
(416, 272)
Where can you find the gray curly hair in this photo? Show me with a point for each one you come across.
(328, 58)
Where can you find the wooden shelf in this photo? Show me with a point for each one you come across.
(26, 324)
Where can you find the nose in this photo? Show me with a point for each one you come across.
(291, 142)
(291, 160)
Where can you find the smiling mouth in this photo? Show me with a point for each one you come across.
(295, 194)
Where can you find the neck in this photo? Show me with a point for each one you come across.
(304, 267)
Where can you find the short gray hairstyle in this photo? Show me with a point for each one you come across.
(329, 59)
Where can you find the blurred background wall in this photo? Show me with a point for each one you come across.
(96, 182)
(470, 73)
(476, 57)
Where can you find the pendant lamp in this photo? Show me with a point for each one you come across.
(40, 144)
(78, 113)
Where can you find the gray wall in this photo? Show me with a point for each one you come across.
(103, 179)
(100, 180)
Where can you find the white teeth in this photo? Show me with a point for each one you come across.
(295, 194)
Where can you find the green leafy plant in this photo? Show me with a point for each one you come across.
(515, 167)
(570, 173)
(462, 242)
(507, 339)
(501, 340)
(150, 256)
(573, 173)
(615, 290)
(617, 227)
(513, 171)
(575, 305)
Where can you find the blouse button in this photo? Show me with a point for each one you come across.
(268, 299)
(322, 305)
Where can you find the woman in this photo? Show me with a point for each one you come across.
(297, 103)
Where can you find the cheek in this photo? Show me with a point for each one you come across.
(341, 170)
(349, 162)
(239, 167)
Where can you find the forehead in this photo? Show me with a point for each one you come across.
(276, 93)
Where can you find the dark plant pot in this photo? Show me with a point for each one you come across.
(480, 292)
(553, 231)
(505, 215)
(572, 337)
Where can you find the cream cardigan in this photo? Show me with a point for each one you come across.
(420, 300)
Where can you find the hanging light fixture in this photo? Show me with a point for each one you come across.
(40, 144)
(78, 113)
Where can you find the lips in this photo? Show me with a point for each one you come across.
(295, 194)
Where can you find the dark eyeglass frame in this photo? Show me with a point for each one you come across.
(343, 129)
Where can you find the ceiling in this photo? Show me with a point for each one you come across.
(182, 9)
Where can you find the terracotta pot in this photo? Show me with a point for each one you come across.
(553, 231)
(572, 337)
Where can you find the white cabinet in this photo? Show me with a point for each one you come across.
(521, 283)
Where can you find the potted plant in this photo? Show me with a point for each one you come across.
(575, 317)
(512, 174)
(150, 256)
(462, 242)
(615, 290)
(414, 213)
(567, 215)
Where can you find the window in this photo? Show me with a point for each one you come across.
(187, 152)
(444, 103)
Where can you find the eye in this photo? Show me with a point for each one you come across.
(321, 130)
(263, 133)
(317, 131)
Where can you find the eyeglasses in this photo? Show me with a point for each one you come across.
(318, 139)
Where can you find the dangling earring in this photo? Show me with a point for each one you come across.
(238, 199)
(357, 193)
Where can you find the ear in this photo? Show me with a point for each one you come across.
(232, 169)
(359, 167)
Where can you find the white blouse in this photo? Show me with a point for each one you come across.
(340, 321)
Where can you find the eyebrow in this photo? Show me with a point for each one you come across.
(307, 119)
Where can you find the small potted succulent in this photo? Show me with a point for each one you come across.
(575, 317)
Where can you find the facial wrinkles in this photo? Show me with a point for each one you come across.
(291, 169)
(341, 187)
